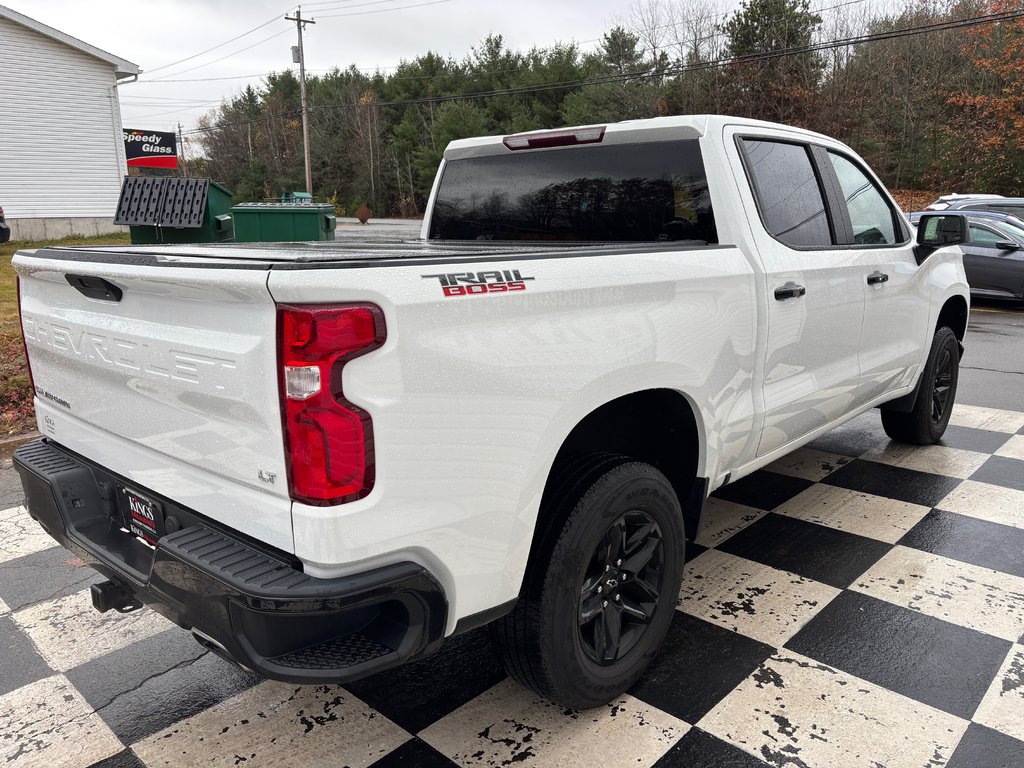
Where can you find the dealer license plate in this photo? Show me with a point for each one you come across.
(142, 516)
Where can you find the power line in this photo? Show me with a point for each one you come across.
(171, 111)
(577, 43)
(337, 2)
(661, 72)
(334, 4)
(162, 81)
(143, 99)
(382, 10)
(776, 22)
(267, 39)
(228, 56)
(136, 118)
(700, 66)
(208, 50)
(376, 68)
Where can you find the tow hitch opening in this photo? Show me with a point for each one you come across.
(109, 595)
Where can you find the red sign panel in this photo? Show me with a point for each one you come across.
(151, 149)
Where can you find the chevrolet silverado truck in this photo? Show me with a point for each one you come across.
(323, 459)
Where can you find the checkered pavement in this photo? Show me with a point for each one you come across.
(858, 603)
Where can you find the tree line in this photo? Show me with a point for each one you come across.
(928, 103)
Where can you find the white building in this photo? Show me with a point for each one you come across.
(61, 148)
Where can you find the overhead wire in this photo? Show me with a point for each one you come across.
(336, 5)
(337, 2)
(381, 10)
(377, 68)
(213, 48)
(723, 14)
(227, 56)
(699, 66)
(657, 72)
(167, 78)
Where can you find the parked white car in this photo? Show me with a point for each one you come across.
(944, 201)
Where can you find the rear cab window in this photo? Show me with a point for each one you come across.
(810, 197)
(636, 192)
(788, 192)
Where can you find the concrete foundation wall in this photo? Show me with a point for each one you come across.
(27, 230)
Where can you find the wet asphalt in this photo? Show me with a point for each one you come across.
(992, 369)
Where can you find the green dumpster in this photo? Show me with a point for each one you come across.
(171, 210)
(282, 222)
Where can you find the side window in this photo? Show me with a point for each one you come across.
(984, 236)
(1016, 210)
(788, 193)
(870, 213)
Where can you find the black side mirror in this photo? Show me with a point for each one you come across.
(1008, 245)
(937, 230)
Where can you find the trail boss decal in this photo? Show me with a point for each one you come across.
(480, 283)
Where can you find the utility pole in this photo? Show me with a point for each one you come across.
(300, 24)
(181, 152)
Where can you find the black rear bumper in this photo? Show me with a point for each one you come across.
(248, 602)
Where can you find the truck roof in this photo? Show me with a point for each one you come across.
(631, 131)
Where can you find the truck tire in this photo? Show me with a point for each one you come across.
(602, 584)
(927, 421)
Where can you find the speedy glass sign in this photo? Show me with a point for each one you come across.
(150, 149)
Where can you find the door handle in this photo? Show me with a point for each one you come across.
(875, 278)
(789, 291)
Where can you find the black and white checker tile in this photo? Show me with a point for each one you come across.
(857, 603)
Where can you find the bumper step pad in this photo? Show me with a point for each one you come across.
(339, 653)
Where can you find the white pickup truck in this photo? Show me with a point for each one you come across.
(324, 459)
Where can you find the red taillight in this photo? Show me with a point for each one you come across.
(563, 138)
(328, 440)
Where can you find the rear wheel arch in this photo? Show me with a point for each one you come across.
(656, 426)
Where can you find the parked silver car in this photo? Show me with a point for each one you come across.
(1011, 205)
(993, 254)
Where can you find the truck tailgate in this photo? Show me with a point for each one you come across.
(167, 375)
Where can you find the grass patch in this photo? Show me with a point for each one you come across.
(16, 414)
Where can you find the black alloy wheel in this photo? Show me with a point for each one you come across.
(942, 386)
(926, 421)
(601, 587)
(621, 588)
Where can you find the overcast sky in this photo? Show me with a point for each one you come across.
(371, 34)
